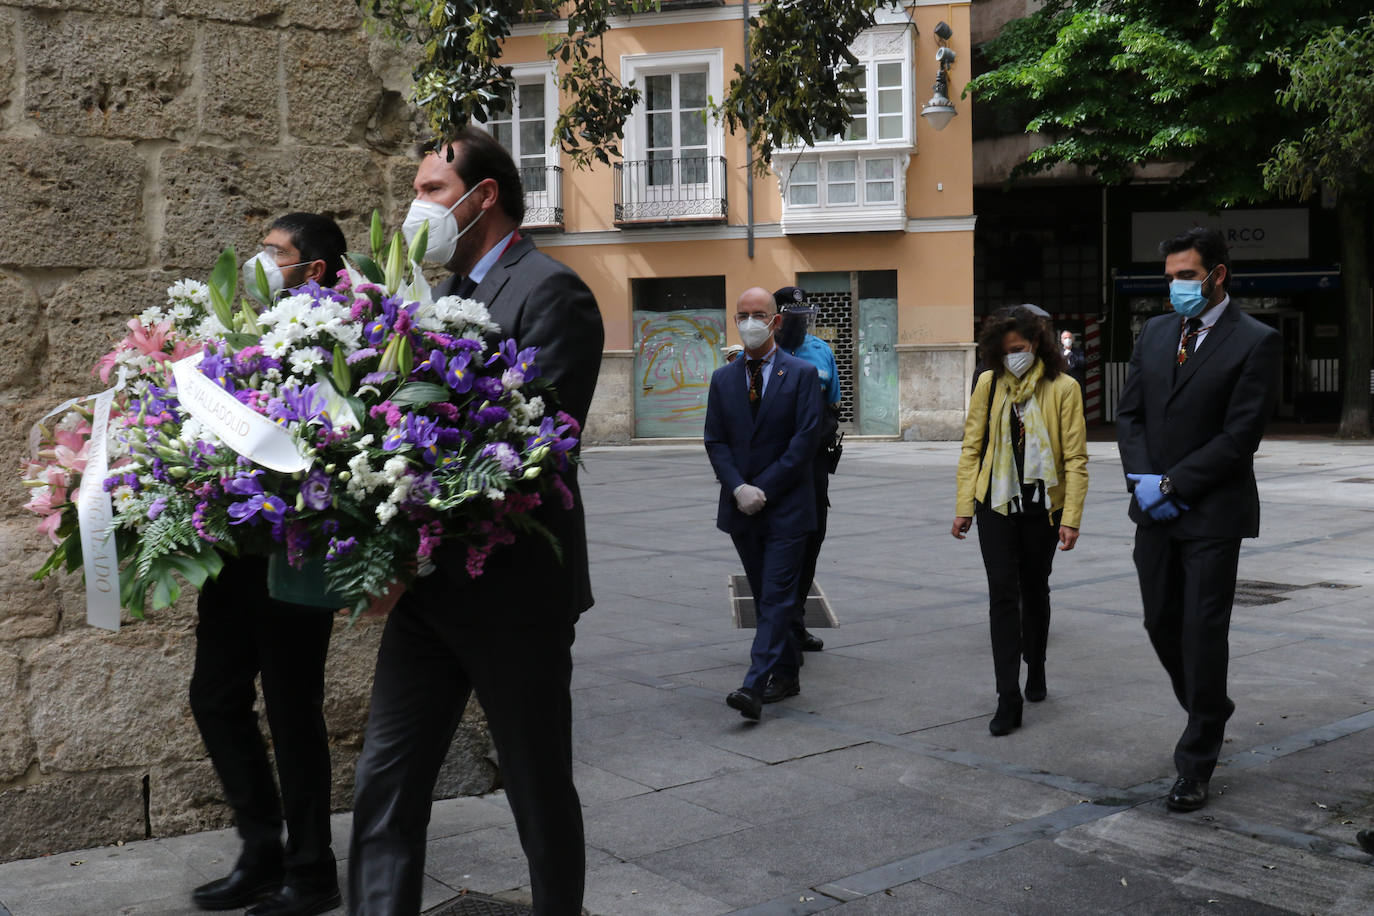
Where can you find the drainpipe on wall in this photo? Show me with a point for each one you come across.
(748, 148)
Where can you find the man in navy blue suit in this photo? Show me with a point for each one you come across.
(763, 420)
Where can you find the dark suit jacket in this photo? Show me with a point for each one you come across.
(773, 451)
(1075, 367)
(1201, 425)
(540, 303)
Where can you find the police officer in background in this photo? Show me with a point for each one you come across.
(795, 338)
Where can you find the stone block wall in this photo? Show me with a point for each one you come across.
(137, 139)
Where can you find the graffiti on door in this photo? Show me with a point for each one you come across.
(675, 354)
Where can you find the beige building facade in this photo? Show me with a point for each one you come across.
(877, 225)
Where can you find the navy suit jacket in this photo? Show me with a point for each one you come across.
(1200, 425)
(773, 451)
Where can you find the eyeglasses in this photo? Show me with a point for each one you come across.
(276, 254)
(757, 316)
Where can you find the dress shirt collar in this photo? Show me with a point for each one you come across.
(487, 261)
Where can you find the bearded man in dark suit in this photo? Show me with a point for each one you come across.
(1200, 389)
(507, 634)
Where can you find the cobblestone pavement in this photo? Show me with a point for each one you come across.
(878, 790)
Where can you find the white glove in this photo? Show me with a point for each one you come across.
(749, 499)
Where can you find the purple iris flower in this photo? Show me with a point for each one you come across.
(298, 404)
(458, 375)
(244, 483)
(505, 351)
(435, 362)
(375, 330)
(524, 361)
(246, 511)
(551, 434)
(219, 367)
(450, 437)
(421, 432)
(317, 491)
(503, 453)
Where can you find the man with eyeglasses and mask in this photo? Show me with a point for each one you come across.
(795, 337)
(1196, 400)
(506, 635)
(763, 422)
(242, 632)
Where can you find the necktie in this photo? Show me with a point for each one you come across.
(1194, 325)
(755, 367)
(466, 288)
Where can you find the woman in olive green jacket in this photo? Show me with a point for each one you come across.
(1023, 474)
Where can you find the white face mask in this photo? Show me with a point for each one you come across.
(1018, 364)
(443, 227)
(754, 333)
(275, 280)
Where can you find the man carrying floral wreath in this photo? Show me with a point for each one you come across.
(242, 632)
(507, 633)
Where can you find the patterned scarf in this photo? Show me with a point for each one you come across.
(1005, 493)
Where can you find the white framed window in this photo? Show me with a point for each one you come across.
(525, 127)
(883, 104)
(844, 190)
(880, 184)
(803, 190)
(671, 121)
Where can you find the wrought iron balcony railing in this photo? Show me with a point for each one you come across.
(657, 191)
(543, 197)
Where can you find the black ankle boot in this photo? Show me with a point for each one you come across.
(1008, 716)
(1035, 681)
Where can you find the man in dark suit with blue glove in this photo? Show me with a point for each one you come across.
(1200, 389)
(763, 420)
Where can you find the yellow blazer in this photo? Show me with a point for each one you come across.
(1061, 403)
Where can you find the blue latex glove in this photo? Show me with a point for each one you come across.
(1167, 509)
(1147, 494)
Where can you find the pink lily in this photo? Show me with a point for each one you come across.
(50, 525)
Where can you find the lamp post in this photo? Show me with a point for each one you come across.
(939, 110)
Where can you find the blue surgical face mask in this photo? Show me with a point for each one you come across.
(1187, 298)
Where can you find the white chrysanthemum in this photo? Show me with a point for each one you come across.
(188, 290)
(191, 430)
(350, 335)
(151, 315)
(385, 512)
(122, 495)
(365, 441)
(276, 343)
(289, 311)
(455, 312)
(209, 327)
(401, 490)
(182, 311)
(304, 361)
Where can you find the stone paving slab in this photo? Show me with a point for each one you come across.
(878, 790)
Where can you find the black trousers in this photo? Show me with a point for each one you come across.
(814, 540)
(1187, 586)
(1018, 553)
(428, 665)
(772, 563)
(242, 633)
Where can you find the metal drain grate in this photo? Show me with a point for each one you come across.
(478, 905)
(818, 612)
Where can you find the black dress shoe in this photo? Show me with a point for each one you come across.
(748, 701)
(1035, 682)
(1008, 716)
(781, 689)
(242, 886)
(809, 641)
(1366, 840)
(295, 900)
(1188, 794)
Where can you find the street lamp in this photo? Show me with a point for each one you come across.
(940, 109)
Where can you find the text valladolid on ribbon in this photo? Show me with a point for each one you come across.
(241, 428)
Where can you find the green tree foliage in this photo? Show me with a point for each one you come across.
(1215, 86)
(1332, 78)
(795, 92)
(1118, 84)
